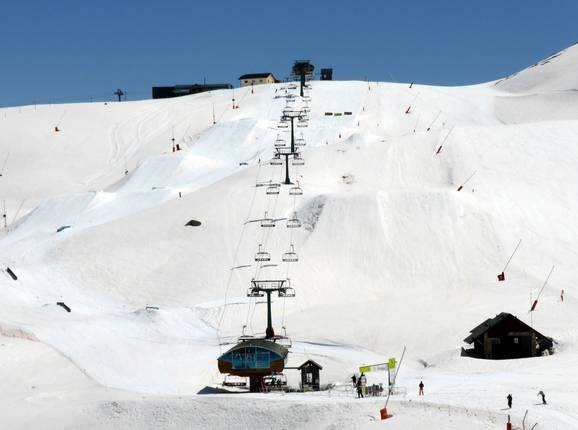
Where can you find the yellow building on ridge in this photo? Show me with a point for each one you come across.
(257, 79)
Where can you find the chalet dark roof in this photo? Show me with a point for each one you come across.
(256, 76)
(492, 322)
(312, 363)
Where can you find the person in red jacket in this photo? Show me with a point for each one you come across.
(421, 388)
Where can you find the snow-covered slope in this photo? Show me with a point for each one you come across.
(545, 91)
(391, 254)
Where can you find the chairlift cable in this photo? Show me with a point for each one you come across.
(4, 164)
(235, 257)
(15, 217)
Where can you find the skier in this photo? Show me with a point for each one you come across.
(541, 393)
(420, 388)
(509, 401)
(359, 389)
(354, 380)
(363, 381)
(562, 295)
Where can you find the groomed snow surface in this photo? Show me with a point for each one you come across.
(390, 253)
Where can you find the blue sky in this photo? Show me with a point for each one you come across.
(74, 50)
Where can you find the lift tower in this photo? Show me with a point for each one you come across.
(267, 287)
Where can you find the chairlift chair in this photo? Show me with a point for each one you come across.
(279, 142)
(293, 222)
(296, 190)
(267, 222)
(262, 255)
(255, 293)
(291, 256)
(297, 160)
(276, 161)
(272, 189)
(283, 150)
(287, 292)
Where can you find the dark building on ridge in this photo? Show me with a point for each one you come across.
(185, 90)
(326, 74)
(506, 337)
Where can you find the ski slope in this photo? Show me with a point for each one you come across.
(390, 253)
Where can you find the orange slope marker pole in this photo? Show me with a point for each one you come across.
(383, 411)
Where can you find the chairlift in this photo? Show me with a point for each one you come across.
(267, 222)
(273, 189)
(282, 125)
(302, 124)
(294, 221)
(275, 382)
(297, 160)
(251, 292)
(276, 161)
(284, 150)
(234, 381)
(262, 255)
(287, 292)
(296, 190)
(279, 142)
(291, 256)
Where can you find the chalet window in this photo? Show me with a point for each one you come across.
(515, 340)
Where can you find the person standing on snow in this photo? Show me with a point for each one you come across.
(541, 393)
(421, 388)
(359, 389)
(363, 381)
(509, 401)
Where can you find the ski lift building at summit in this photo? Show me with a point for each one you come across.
(257, 79)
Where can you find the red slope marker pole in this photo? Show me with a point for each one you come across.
(411, 104)
(444, 141)
(502, 276)
(467, 180)
(533, 308)
(434, 120)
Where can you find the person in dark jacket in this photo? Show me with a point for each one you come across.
(421, 388)
(509, 401)
(541, 393)
(354, 380)
(359, 389)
